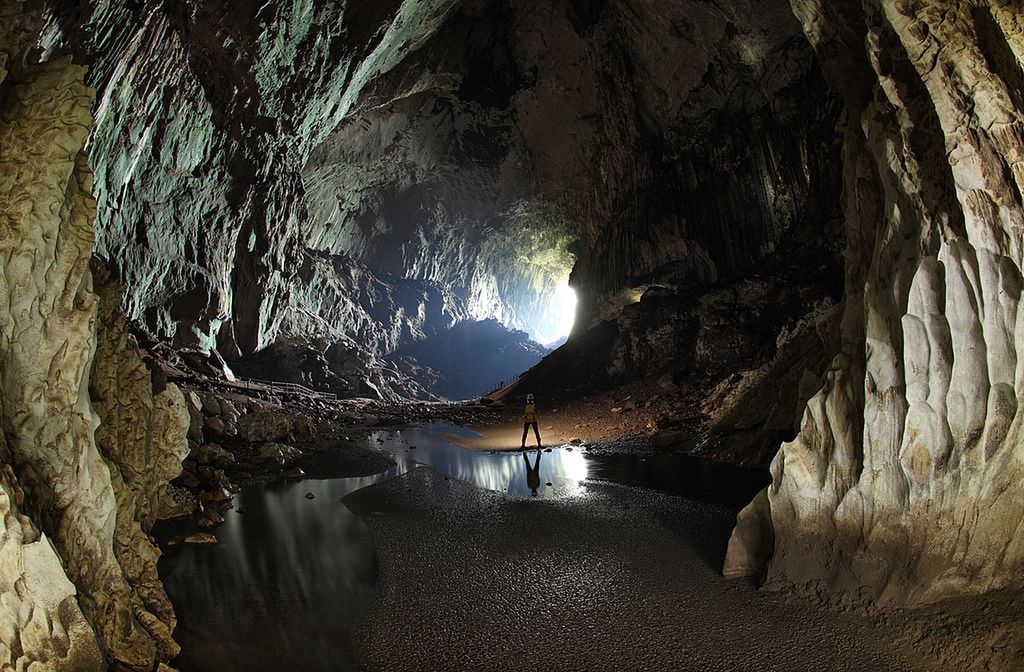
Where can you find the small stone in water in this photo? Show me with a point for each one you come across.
(310, 495)
(201, 538)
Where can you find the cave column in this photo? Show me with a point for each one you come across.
(57, 476)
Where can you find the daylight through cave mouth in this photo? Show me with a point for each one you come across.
(473, 178)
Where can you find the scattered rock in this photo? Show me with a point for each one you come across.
(201, 539)
(213, 454)
(220, 495)
(310, 495)
(263, 425)
(215, 425)
(210, 405)
(279, 452)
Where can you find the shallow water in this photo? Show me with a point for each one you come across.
(292, 578)
(564, 468)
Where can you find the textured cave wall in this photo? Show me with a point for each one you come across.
(205, 114)
(43, 624)
(484, 146)
(907, 478)
(650, 141)
(342, 319)
(56, 479)
(142, 434)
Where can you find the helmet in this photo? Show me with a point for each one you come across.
(529, 398)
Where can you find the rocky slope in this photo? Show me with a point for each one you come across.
(905, 482)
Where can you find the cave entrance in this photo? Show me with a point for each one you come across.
(561, 317)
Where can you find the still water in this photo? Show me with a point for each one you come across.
(291, 578)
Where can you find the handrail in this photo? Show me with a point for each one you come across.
(289, 387)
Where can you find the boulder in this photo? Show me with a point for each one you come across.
(213, 454)
(195, 415)
(278, 452)
(211, 406)
(264, 425)
(215, 426)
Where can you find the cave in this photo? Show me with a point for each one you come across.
(503, 334)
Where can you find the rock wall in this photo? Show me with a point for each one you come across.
(55, 474)
(484, 146)
(203, 119)
(906, 481)
(524, 141)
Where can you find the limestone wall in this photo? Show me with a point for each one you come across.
(906, 481)
(56, 479)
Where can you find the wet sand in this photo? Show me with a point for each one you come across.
(623, 578)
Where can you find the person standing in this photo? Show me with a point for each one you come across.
(530, 418)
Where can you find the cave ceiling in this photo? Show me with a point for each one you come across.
(492, 148)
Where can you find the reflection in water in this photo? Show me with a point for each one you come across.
(502, 472)
(532, 474)
(692, 477)
(288, 581)
(292, 578)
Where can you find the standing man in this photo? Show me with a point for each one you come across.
(530, 418)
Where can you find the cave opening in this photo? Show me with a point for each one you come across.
(443, 334)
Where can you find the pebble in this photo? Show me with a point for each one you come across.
(310, 495)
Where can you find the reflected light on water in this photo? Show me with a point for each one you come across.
(292, 578)
(508, 472)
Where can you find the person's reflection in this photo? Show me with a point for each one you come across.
(532, 474)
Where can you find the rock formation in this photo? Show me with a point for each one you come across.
(56, 479)
(320, 191)
(42, 622)
(907, 478)
(239, 185)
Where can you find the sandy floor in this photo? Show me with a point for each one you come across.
(507, 437)
(622, 579)
(592, 418)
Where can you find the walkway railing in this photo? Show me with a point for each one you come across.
(294, 388)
